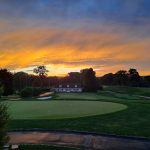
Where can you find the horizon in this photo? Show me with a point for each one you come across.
(67, 35)
(31, 72)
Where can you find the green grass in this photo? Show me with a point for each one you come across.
(77, 96)
(43, 147)
(60, 109)
(129, 90)
(134, 121)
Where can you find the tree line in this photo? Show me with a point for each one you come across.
(18, 81)
(125, 78)
(12, 82)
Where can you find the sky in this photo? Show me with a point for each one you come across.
(69, 35)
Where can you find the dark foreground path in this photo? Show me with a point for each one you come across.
(85, 141)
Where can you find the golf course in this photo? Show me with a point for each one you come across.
(114, 110)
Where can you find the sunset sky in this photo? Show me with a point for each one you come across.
(69, 35)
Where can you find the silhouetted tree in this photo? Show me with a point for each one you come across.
(6, 79)
(89, 80)
(146, 81)
(52, 81)
(75, 77)
(20, 80)
(41, 71)
(121, 78)
(134, 77)
(1, 90)
(107, 79)
(72, 78)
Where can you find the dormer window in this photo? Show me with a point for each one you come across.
(76, 86)
(67, 86)
(60, 86)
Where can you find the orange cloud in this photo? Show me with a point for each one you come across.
(71, 50)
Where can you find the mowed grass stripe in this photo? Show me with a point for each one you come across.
(60, 109)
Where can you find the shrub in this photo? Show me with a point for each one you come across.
(100, 87)
(4, 118)
(30, 91)
(1, 90)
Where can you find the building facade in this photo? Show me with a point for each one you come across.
(74, 88)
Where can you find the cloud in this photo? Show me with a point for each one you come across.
(106, 35)
(35, 46)
(114, 10)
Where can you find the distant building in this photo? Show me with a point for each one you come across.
(68, 88)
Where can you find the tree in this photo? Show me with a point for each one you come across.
(89, 80)
(121, 78)
(1, 90)
(146, 81)
(4, 117)
(30, 91)
(75, 77)
(6, 78)
(71, 78)
(134, 77)
(20, 80)
(41, 71)
(107, 79)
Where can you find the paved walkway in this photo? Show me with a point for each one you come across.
(85, 141)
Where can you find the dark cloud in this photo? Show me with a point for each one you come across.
(102, 10)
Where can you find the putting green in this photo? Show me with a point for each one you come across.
(60, 109)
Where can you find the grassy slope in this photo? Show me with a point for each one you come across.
(133, 121)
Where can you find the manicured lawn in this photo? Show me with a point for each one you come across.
(43, 147)
(78, 96)
(129, 90)
(60, 109)
(133, 121)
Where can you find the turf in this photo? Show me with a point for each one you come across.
(129, 90)
(78, 96)
(134, 121)
(60, 109)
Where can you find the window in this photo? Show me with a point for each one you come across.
(72, 90)
(79, 90)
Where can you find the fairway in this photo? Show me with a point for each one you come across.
(60, 109)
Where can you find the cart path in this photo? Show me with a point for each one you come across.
(87, 141)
